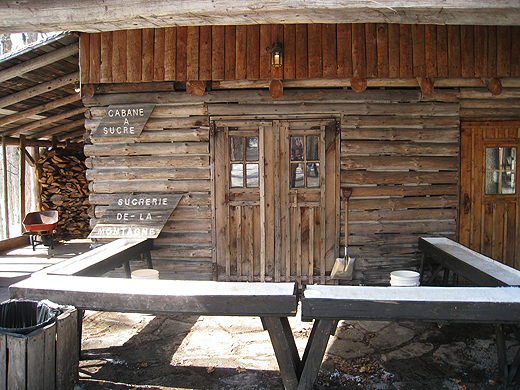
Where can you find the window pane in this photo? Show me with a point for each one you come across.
(313, 147)
(492, 159)
(237, 175)
(508, 183)
(252, 175)
(509, 158)
(491, 182)
(297, 175)
(237, 149)
(296, 148)
(313, 175)
(252, 148)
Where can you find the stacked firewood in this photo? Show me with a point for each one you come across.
(64, 187)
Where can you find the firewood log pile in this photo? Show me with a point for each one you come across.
(64, 187)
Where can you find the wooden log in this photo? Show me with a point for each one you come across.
(146, 149)
(196, 87)
(148, 173)
(39, 89)
(427, 85)
(276, 89)
(399, 148)
(39, 62)
(412, 202)
(358, 84)
(149, 186)
(495, 86)
(392, 163)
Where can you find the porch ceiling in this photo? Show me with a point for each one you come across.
(37, 97)
(109, 15)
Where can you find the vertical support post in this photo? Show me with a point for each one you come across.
(284, 349)
(6, 190)
(22, 179)
(313, 356)
(503, 370)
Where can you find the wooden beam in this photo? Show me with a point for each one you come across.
(21, 177)
(46, 121)
(39, 109)
(59, 129)
(5, 188)
(38, 62)
(10, 141)
(95, 16)
(39, 89)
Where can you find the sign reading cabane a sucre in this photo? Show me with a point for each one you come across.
(124, 121)
(136, 216)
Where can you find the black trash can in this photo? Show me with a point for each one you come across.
(24, 317)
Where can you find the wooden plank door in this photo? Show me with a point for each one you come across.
(489, 211)
(276, 202)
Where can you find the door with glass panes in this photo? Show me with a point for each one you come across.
(276, 203)
(489, 211)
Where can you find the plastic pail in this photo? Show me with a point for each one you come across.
(404, 278)
(145, 274)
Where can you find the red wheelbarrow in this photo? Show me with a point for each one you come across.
(40, 227)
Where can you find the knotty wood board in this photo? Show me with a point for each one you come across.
(162, 296)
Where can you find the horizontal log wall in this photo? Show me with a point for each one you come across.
(311, 51)
(399, 154)
(171, 155)
(402, 166)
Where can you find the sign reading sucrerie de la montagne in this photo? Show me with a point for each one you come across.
(124, 121)
(136, 216)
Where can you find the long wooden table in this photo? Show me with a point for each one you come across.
(328, 304)
(272, 302)
(450, 256)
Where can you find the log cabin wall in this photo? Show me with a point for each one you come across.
(399, 154)
(399, 147)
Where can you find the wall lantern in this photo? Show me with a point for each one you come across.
(277, 54)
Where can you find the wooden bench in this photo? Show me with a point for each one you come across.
(328, 304)
(273, 303)
(451, 256)
(104, 258)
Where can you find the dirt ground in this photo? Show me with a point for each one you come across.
(131, 351)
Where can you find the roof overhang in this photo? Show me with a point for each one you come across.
(110, 15)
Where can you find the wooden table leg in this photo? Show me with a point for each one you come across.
(314, 352)
(284, 349)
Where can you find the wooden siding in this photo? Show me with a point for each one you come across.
(399, 154)
(371, 50)
(171, 155)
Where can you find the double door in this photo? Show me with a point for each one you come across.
(276, 202)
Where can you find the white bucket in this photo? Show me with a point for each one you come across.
(405, 278)
(145, 274)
